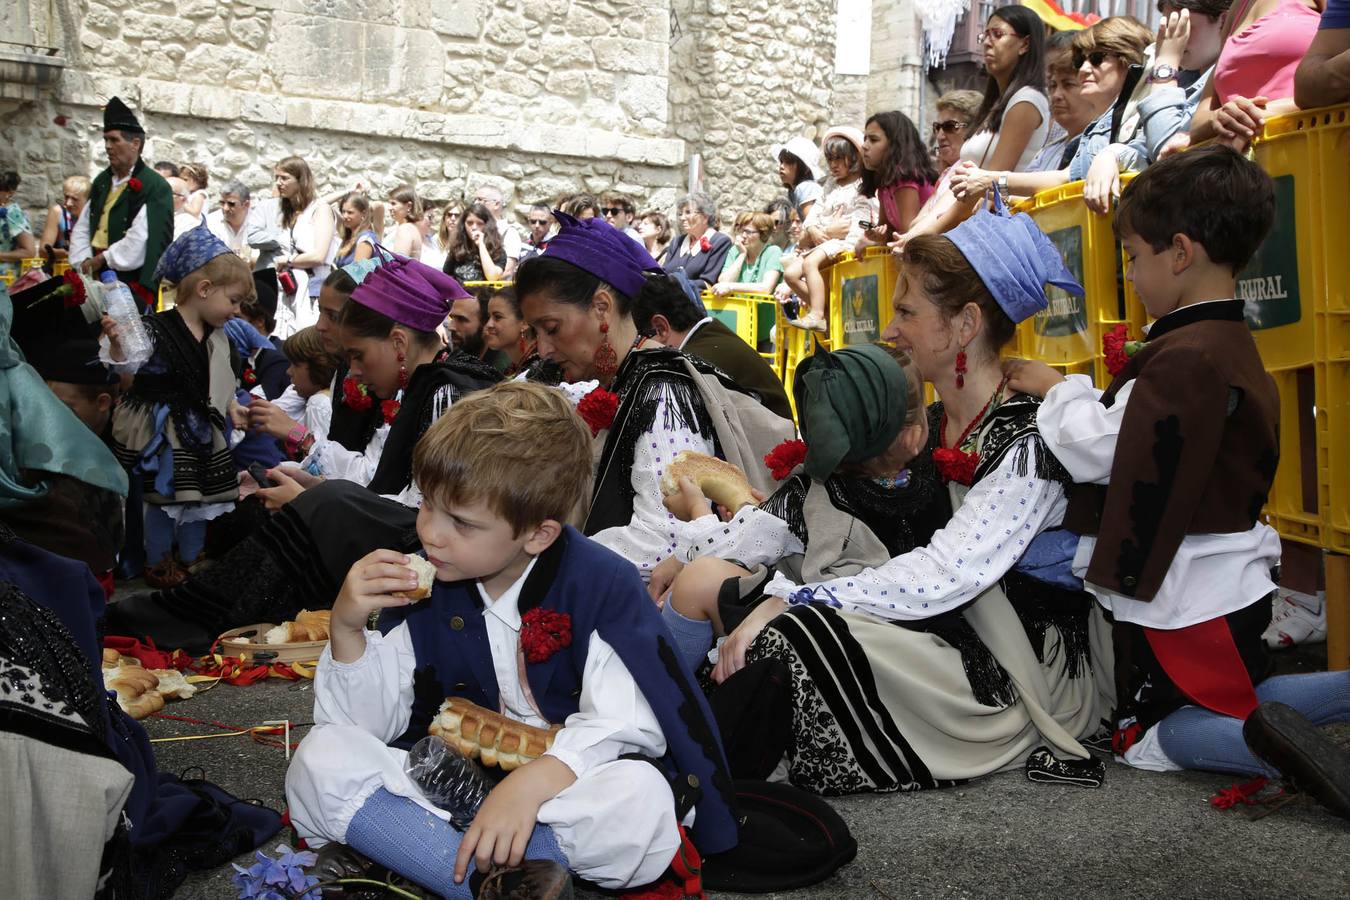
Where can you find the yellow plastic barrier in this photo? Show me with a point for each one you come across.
(34, 262)
(750, 315)
(1295, 296)
(7, 278)
(59, 269)
(470, 285)
(1068, 333)
(860, 290)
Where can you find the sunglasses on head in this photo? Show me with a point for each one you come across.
(948, 126)
(1095, 59)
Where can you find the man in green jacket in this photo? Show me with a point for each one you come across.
(128, 221)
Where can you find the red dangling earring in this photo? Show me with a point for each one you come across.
(402, 373)
(961, 369)
(606, 360)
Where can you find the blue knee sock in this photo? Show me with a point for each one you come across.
(158, 535)
(405, 838)
(191, 540)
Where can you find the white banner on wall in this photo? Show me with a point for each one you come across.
(853, 38)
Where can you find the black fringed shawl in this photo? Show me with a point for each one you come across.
(646, 379)
(352, 428)
(454, 368)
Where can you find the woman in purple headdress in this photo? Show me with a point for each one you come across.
(339, 504)
(644, 402)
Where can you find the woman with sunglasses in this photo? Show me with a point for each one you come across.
(1109, 58)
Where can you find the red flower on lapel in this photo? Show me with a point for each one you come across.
(355, 395)
(1117, 348)
(543, 632)
(598, 409)
(389, 409)
(704, 244)
(956, 465)
(782, 459)
(249, 377)
(134, 184)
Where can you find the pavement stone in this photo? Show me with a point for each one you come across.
(1140, 835)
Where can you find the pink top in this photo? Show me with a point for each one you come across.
(1260, 60)
(890, 207)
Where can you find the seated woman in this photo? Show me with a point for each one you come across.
(1011, 663)
(359, 499)
(1108, 57)
(505, 331)
(754, 265)
(648, 403)
(701, 250)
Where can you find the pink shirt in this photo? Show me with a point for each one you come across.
(1260, 60)
(890, 207)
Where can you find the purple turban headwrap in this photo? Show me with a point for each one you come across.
(1014, 259)
(409, 292)
(597, 247)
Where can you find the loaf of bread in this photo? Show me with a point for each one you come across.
(309, 625)
(426, 575)
(720, 481)
(480, 733)
(172, 684)
(137, 690)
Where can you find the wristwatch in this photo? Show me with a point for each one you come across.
(1162, 73)
(1003, 185)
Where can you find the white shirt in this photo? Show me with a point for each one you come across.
(752, 538)
(510, 238)
(314, 412)
(696, 326)
(125, 255)
(986, 535)
(1210, 576)
(375, 693)
(981, 147)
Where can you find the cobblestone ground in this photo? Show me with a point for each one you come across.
(1141, 835)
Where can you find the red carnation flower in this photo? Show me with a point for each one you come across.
(74, 289)
(956, 465)
(543, 632)
(248, 376)
(389, 409)
(354, 394)
(135, 185)
(598, 409)
(787, 456)
(704, 244)
(1117, 349)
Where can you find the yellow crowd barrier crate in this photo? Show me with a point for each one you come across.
(1068, 333)
(1294, 291)
(34, 262)
(750, 315)
(59, 269)
(471, 285)
(860, 289)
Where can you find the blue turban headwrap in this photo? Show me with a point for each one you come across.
(188, 253)
(1013, 258)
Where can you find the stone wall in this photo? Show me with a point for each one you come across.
(543, 97)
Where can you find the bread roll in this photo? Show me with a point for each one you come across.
(136, 689)
(497, 740)
(309, 625)
(720, 481)
(426, 576)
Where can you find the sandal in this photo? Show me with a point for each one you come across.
(165, 575)
(810, 322)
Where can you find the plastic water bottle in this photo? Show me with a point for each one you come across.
(122, 309)
(446, 778)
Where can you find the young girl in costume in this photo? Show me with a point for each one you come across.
(1171, 486)
(644, 402)
(510, 577)
(833, 226)
(898, 171)
(170, 428)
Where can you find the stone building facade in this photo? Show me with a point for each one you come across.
(542, 97)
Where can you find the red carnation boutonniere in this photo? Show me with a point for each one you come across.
(787, 456)
(389, 409)
(598, 409)
(704, 244)
(543, 632)
(956, 465)
(1118, 349)
(134, 184)
(73, 290)
(355, 395)
(248, 376)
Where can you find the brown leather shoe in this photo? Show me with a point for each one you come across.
(1303, 754)
(533, 879)
(337, 861)
(165, 575)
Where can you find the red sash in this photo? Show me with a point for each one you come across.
(1203, 661)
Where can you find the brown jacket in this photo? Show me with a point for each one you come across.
(1196, 453)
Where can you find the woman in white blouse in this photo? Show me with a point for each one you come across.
(1013, 120)
(313, 231)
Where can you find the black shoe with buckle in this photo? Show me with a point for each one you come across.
(338, 861)
(533, 879)
(1303, 754)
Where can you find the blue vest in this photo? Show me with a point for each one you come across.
(601, 592)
